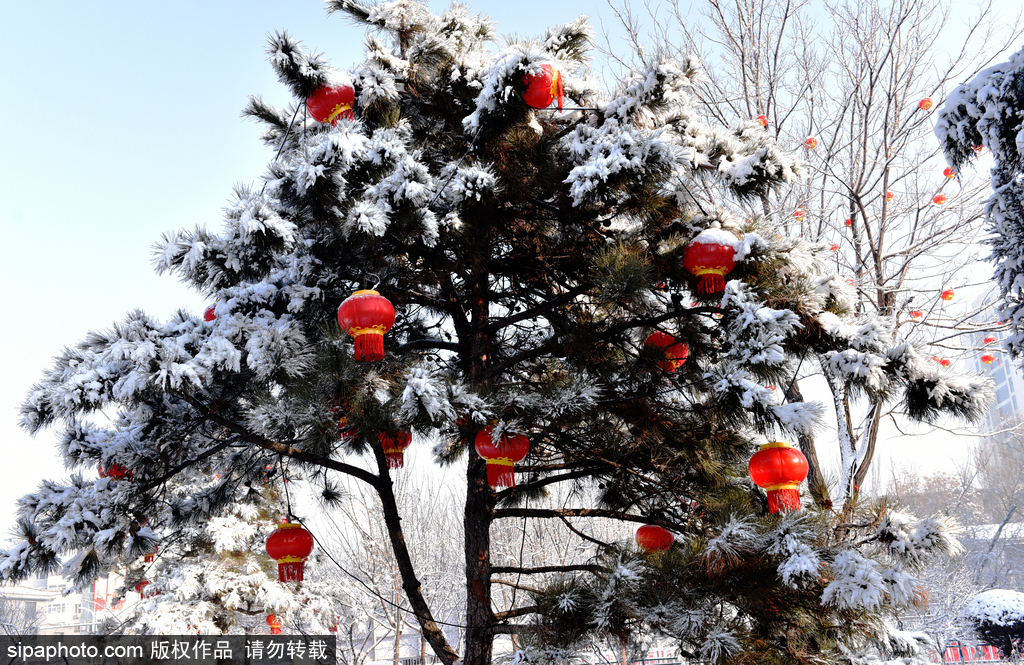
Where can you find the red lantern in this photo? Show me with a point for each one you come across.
(710, 256)
(141, 586)
(762, 120)
(811, 143)
(274, 623)
(779, 468)
(366, 316)
(543, 88)
(654, 538)
(925, 104)
(977, 148)
(799, 214)
(210, 314)
(330, 102)
(149, 557)
(676, 353)
(939, 199)
(834, 247)
(916, 314)
(989, 339)
(393, 444)
(889, 196)
(945, 362)
(988, 358)
(936, 358)
(502, 456)
(346, 431)
(848, 223)
(290, 544)
(947, 294)
(948, 172)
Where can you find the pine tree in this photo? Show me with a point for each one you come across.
(530, 255)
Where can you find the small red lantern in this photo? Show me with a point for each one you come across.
(151, 556)
(346, 431)
(710, 256)
(676, 353)
(848, 222)
(988, 358)
(977, 148)
(543, 88)
(889, 196)
(811, 143)
(799, 214)
(331, 102)
(393, 444)
(945, 362)
(779, 468)
(990, 339)
(925, 104)
(653, 538)
(834, 247)
(762, 120)
(502, 456)
(141, 586)
(939, 199)
(274, 623)
(290, 544)
(771, 387)
(947, 294)
(936, 358)
(210, 313)
(948, 172)
(366, 316)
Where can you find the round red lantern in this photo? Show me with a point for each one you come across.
(947, 294)
(916, 314)
(779, 468)
(925, 104)
(654, 538)
(150, 556)
(848, 222)
(210, 313)
(811, 143)
(948, 172)
(346, 431)
(834, 247)
(676, 353)
(990, 338)
(936, 358)
(290, 544)
(799, 214)
(141, 586)
(366, 316)
(274, 623)
(543, 88)
(393, 444)
(331, 102)
(939, 199)
(501, 456)
(762, 120)
(115, 471)
(710, 256)
(988, 358)
(945, 362)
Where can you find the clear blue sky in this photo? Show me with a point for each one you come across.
(121, 121)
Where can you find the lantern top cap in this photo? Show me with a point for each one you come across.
(289, 525)
(775, 444)
(365, 292)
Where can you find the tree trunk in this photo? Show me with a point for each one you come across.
(869, 452)
(815, 480)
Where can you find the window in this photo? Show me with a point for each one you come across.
(55, 608)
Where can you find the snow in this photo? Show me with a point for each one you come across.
(1001, 607)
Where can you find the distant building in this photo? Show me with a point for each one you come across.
(40, 606)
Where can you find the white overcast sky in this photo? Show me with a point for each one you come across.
(120, 120)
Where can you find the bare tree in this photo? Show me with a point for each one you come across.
(849, 80)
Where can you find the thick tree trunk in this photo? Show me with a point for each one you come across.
(815, 480)
(869, 452)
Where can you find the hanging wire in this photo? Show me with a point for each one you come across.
(285, 140)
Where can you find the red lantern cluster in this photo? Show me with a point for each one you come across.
(988, 358)
(710, 256)
(394, 443)
(676, 353)
(502, 456)
(653, 538)
(543, 88)
(811, 143)
(274, 623)
(289, 545)
(925, 104)
(779, 468)
(366, 316)
(331, 102)
(947, 294)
